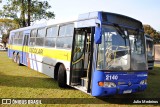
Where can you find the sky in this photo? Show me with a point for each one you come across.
(147, 11)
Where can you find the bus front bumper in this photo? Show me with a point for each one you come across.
(121, 89)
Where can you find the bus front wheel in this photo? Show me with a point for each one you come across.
(62, 76)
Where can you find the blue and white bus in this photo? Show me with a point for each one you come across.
(100, 54)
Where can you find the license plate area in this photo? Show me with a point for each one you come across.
(127, 91)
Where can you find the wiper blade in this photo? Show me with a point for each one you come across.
(120, 31)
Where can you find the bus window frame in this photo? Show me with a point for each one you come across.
(30, 37)
(42, 37)
(65, 36)
(53, 37)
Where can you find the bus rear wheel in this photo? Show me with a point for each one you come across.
(18, 60)
(14, 57)
(62, 76)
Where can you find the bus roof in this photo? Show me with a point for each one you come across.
(90, 17)
(28, 28)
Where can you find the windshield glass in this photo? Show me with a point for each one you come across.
(138, 59)
(113, 52)
(121, 49)
(150, 50)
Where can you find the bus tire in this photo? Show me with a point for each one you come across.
(62, 76)
(14, 57)
(18, 60)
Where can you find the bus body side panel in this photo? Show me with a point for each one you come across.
(25, 57)
(10, 53)
(36, 62)
(17, 49)
(9, 45)
(45, 62)
(125, 82)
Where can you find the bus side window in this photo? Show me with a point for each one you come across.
(51, 35)
(16, 38)
(65, 37)
(20, 39)
(33, 37)
(40, 36)
(11, 40)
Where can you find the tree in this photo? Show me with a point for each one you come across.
(29, 12)
(32, 9)
(157, 38)
(6, 25)
(152, 32)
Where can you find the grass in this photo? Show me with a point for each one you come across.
(23, 82)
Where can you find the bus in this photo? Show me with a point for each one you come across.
(100, 53)
(150, 51)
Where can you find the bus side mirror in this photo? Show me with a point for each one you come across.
(98, 35)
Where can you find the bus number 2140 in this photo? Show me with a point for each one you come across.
(111, 77)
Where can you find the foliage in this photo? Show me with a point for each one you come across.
(32, 9)
(6, 25)
(152, 32)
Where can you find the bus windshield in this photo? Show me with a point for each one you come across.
(149, 49)
(117, 50)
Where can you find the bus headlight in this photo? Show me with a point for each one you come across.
(143, 82)
(107, 84)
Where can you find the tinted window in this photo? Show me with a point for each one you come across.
(33, 33)
(69, 30)
(11, 39)
(16, 35)
(66, 30)
(62, 31)
(17, 38)
(50, 41)
(32, 41)
(21, 35)
(52, 31)
(41, 32)
(39, 41)
(65, 42)
(64, 39)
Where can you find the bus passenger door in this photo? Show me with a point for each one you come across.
(77, 64)
(25, 49)
(81, 58)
